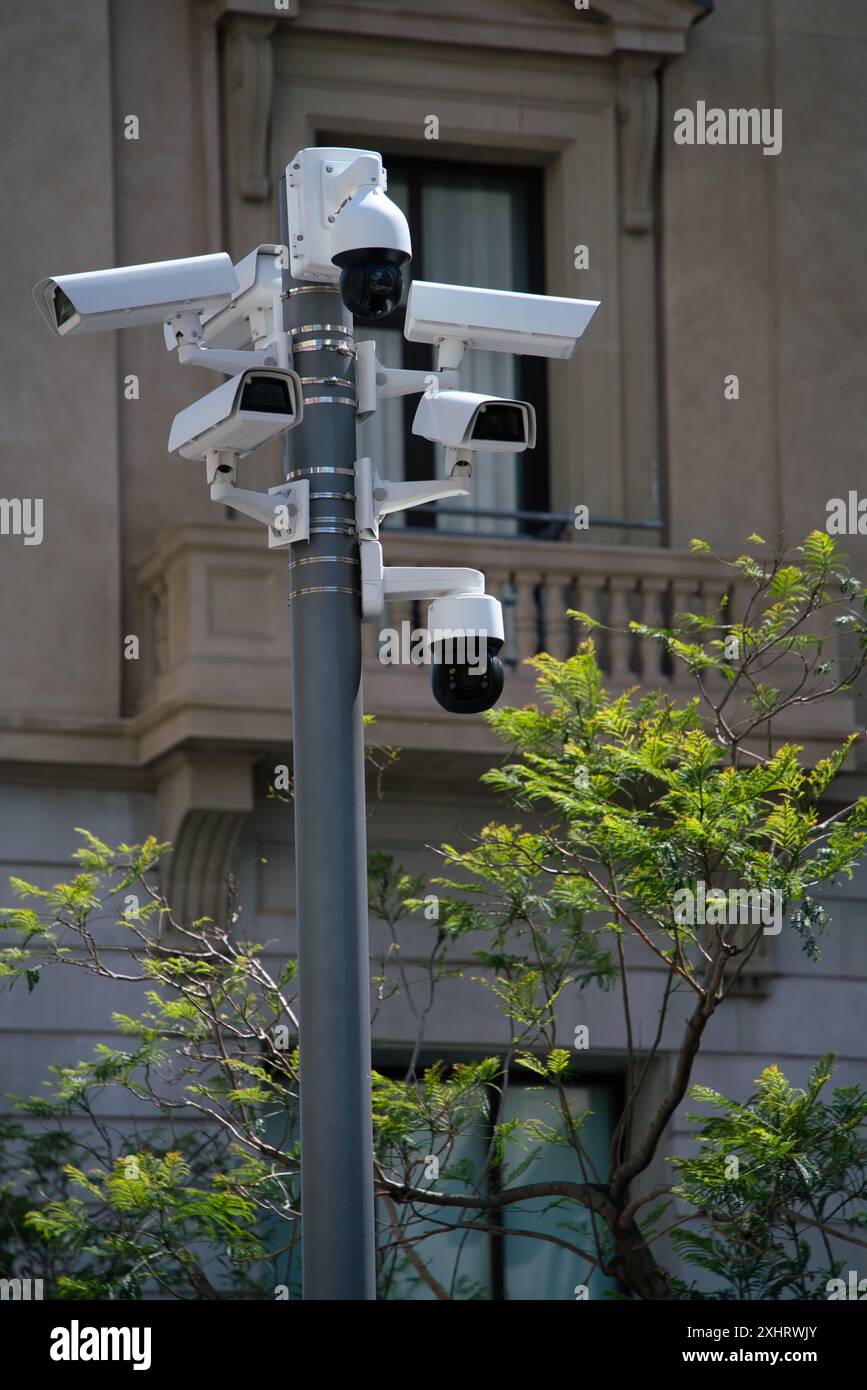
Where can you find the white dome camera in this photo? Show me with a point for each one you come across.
(346, 229)
(465, 633)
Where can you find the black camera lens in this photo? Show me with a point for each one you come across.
(371, 282)
(462, 688)
(64, 309)
(502, 424)
(266, 394)
(383, 281)
(466, 682)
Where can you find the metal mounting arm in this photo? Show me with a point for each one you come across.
(284, 509)
(392, 583)
(226, 360)
(375, 382)
(376, 497)
(366, 169)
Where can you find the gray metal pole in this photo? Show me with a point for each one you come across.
(330, 832)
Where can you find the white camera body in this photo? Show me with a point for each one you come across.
(465, 420)
(255, 406)
(459, 316)
(479, 614)
(130, 295)
(249, 317)
(337, 203)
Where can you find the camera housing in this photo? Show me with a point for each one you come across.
(131, 295)
(370, 245)
(465, 635)
(249, 316)
(255, 406)
(466, 420)
(345, 228)
(460, 316)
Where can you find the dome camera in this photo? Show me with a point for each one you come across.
(371, 281)
(345, 227)
(465, 632)
(370, 245)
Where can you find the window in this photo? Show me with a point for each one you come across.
(471, 225)
(471, 1263)
(487, 1265)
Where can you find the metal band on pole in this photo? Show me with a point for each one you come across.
(310, 289)
(323, 560)
(344, 346)
(327, 381)
(322, 328)
(323, 589)
(306, 472)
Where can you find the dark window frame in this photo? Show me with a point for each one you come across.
(534, 488)
(614, 1080)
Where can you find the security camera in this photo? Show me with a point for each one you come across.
(249, 410)
(130, 295)
(370, 244)
(458, 316)
(464, 420)
(249, 317)
(344, 227)
(465, 633)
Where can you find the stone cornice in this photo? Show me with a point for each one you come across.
(608, 27)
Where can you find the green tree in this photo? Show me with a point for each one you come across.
(628, 805)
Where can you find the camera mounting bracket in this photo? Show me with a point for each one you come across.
(375, 382)
(284, 509)
(227, 360)
(377, 498)
(318, 182)
(381, 584)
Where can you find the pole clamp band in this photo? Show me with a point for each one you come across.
(324, 560)
(304, 472)
(343, 328)
(344, 346)
(325, 589)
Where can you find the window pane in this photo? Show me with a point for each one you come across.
(474, 232)
(458, 1260)
(538, 1269)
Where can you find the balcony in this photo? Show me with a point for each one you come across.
(216, 634)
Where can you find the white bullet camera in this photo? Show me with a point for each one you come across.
(458, 316)
(464, 420)
(345, 228)
(252, 408)
(130, 295)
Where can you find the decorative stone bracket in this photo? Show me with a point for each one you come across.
(202, 801)
(250, 82)
(639, 124)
